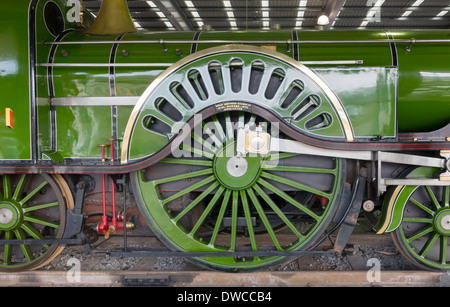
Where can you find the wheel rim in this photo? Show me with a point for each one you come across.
(32, 207)
(210, 201)
(423, 234)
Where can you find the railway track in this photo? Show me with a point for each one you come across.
(214, 279)
(368, 261)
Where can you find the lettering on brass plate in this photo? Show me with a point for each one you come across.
(233, 106)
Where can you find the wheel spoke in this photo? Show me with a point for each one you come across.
(277, 210)
(183, 176)
(298, 169)
(41, 221)
(220, 216)
(433, 197)
(20, 186)
(294, 184)
(33, 193)
(241, 120)
(420, 233)
(215, 138)
(204, 143)
(7, 193)
(25, 248)
(234, 212)
(187, 162)
(7, 253)
(446, 196)
(229, 127)
(426, 248)
(208, 209)
(196, 201)
(39, 207)
(418, 220)
(252, 120)
(188, 189)
(248, 220)
(443, 250)
(33, 232)
(288, 198)
(421, 206)
(197, 152)
(280, 156)
(264, 219)
(219, 129)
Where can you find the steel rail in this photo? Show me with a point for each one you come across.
(180, 281)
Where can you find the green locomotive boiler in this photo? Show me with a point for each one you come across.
(238, 149)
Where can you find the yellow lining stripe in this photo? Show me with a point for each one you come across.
(390, 208)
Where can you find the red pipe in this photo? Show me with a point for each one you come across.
(114, 219)
(104, 217)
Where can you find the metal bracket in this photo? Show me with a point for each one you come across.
(445, 176)
(288, 45)
(163, 45)
(351, 219)
(411, 43)
(74, 218)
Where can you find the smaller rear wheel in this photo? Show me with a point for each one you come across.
(423, 235)
(32, 207)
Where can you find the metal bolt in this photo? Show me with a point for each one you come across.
(368, 205)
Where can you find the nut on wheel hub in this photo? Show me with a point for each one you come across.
(10, 216)
(442, 222)
(237, 166)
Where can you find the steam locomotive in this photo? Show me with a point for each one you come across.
(238, 149)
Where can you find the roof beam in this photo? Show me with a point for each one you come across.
(332, 10)
(175, 15)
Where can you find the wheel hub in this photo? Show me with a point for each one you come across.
(10, 215)
(237, 166)
(442, 222)
(236, 172)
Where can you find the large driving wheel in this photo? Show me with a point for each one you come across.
(32, 207)
(205, 198)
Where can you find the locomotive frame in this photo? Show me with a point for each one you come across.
(309, 119)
